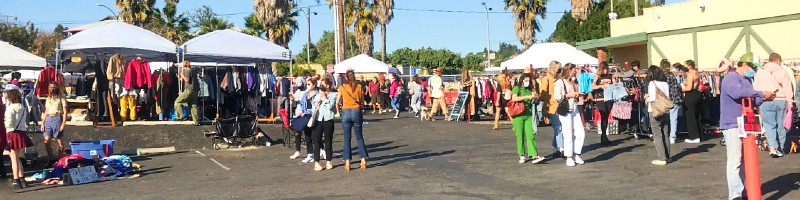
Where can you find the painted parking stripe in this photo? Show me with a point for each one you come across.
(214, 160)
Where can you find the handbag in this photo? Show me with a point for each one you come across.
(749, 122)
(313, 118)
(563, 104)
(662, 104)
(515, 108)
(622, 110)
(788, 118)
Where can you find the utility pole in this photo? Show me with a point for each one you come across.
(635, 8)
(308, 45)
(488, 37)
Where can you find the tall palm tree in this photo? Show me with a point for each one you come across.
(213, 24)
(384, 14)
(364, 26)
(581, 9)
(525, 24)
(135, 12)
(167, 23)
(271, 12)
(282, 32)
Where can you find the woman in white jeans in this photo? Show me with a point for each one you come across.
(571, 123)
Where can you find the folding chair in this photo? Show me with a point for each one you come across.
(226, 129)
(246, 129)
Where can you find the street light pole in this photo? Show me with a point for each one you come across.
(488, 37)
(109, 10)
(308, 46)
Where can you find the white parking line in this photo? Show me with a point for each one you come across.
(215, 161)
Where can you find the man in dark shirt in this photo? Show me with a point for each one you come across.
(189, 95)
(284, 87)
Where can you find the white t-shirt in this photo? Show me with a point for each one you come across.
(436, 87)
(651, 92)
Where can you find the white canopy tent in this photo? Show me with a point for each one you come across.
(364, 64)
(232, 47)
(123, 38)
(540, 56)
(13, 58)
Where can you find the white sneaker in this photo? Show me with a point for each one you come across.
(570, 162)
(309, 158)
(295, 155)
(521, 159)
(322, 154)
(672, 141)
(268, 144)
(695, 141)
(578, 160)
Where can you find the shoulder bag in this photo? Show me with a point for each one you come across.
(563, 104)
(516, 108)
(662, 104)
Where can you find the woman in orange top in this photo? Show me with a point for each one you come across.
(352, 97)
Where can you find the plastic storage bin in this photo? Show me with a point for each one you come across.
(101, 148)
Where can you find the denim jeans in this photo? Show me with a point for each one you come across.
(673, 121)
(416, 100)
(772, 113)
(396, 102)
(352, 118)
(558, 139)
(734, 170)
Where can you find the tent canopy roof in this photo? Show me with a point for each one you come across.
(123, 38)
(233, 47)
(540, 55)
(364, 64)
(12, 57)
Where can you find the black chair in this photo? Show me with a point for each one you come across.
(226, 130)
(246, 131)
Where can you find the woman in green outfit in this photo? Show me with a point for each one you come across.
(523, 123)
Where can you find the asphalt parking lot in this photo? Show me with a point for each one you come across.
(435, 160)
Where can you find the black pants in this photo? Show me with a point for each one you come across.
(605, 109)
(692, 125)
(297, 140)
(323, 128)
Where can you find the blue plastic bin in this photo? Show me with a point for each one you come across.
(101, 148)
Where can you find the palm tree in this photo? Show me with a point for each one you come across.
(279, 17)
(213, 24)
(134, 11)
(525, 12)
(169, 24)
(384, 14)
(581, 9)
(254, 27)
(364, 26)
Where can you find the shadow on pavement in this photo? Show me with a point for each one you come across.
(699, 149)
(613, 153)
(406, 156)
(152, 171)
(149, 156)
(782, 185)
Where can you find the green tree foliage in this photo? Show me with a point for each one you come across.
(254, 27)
(136, 12)
(506, 51)
(169, 24)
(568, 29)
(525, 13)
(19, 35)
(326, 46)
(205, 20)
(475, 62)
(303, 56)
(282, 69)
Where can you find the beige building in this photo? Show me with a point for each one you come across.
(705, 31)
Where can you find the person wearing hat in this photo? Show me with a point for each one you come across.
(437, 93)
(772, 77)
(735, 87)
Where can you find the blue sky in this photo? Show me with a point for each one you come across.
(459, 32)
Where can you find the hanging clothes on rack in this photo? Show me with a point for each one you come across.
(46, 76)
(116, 67)
(137, 75)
